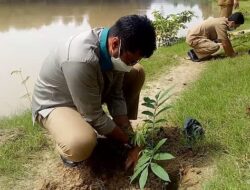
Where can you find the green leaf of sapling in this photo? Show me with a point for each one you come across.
(163, 156)
(148, 121)
(162, 95)
(143, 178)
(148, 113)
(159, 171)
(160, 120)
(157, 95)
(164, 100)
(160, 143)
(163, 109)
(143, 160)
(148, 100)
(137, 172)
(149, 105)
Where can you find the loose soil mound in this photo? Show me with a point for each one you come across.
(104, 170)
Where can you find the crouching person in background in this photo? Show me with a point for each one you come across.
(207, 37)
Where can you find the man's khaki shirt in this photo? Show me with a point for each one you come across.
(72, 76)
(212, 28)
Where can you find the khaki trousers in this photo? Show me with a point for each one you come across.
(132, 85)
(204, 48)
(226, 10)
(75, 138)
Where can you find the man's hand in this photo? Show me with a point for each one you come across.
(122, 121)
(119, 135)
(132, 158)
(133, 154)
(234, 54)
(227, 46)
(236, 4)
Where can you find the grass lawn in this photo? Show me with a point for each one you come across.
(18, 148)
(245, 9)
(220, 100)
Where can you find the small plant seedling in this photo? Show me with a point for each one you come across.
(148, 162)
(146, 137)
(24, 83)
(147, 134)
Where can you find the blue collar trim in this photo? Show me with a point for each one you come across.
(105, 59)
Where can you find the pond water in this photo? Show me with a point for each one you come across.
(28, 31)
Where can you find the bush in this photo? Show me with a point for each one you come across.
(168, 27)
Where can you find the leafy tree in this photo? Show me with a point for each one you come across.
(168, 27)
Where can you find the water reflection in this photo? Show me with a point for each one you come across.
(29, 31)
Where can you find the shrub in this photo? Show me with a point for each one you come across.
(168, 27)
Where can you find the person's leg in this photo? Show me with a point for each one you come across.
(204, 48)
(226, 10)
(75, 138)
(133, 82)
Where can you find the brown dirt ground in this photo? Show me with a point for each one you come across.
(104, 171)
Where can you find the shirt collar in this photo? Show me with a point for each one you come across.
(105, 59)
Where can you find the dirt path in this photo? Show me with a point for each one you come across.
(179, 77)
(50, 174)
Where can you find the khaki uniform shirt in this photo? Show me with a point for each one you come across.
(72, 76)
(225, 2)
(212, 28)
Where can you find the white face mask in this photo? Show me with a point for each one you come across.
(118, 64)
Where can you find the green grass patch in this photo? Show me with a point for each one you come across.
(219, 100)
(245, 9)
(16, 153)
(163, 59)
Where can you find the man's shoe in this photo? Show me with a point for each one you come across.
(69, 163)
(193, 56)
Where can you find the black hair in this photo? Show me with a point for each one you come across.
(137, 33)
(237, 17)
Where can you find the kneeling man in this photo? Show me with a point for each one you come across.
(206, 38)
